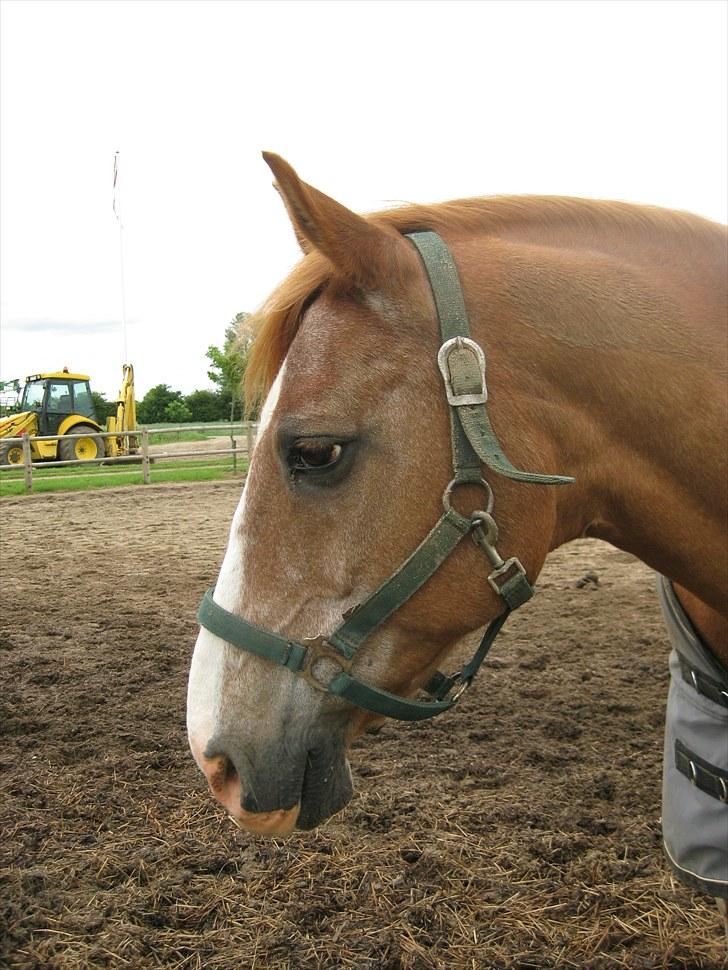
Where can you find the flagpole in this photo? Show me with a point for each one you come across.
(117, 210)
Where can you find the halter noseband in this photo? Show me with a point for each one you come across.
(474, 442)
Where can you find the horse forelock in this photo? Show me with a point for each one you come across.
(276, 323)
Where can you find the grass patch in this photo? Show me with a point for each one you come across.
(158, 435)
(81, 479)
(157, 438)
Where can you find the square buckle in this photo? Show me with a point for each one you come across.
(460, 343)
(318, 651)
(515, 588)
(506, 567)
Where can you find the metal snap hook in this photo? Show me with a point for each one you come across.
(485, 528)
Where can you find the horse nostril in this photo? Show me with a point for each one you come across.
(220, 772)
(226, 785)
(224, 781)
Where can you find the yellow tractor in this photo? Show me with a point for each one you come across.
(61, 403)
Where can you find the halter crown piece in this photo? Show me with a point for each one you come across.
(474, 443)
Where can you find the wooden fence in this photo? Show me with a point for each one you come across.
(142, 455)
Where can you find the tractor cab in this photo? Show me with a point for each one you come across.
(53, 397)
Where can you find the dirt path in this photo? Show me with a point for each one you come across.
(171, 447)
(520, 831)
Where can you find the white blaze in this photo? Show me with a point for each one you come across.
(204, 690)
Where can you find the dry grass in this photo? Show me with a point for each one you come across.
(400, 882)
(520, 831)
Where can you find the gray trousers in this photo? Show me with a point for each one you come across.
(695, 767)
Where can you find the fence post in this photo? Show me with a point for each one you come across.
(145, 457)
(235, 455)
(27, 464)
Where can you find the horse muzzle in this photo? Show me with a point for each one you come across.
(273, 791)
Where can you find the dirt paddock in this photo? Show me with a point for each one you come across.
(520, 831)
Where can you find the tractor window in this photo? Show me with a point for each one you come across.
(82, 401)
(33, 396)
(59, 398)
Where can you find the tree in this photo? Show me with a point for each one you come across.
(152, 408)
(103, 408)
(228, 364)
(208, 406)
(177, 412)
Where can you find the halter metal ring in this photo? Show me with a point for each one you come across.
(478, 481)
(319, 650)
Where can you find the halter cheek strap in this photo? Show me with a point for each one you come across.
(327, 662)
(462, 364)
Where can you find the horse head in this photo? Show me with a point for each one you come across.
(347, 477)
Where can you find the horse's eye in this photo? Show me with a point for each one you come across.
(313, 455)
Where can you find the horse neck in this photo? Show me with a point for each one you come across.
(622, 375)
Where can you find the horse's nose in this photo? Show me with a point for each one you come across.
(225, 784)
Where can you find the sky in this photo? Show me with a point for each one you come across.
(374, 103)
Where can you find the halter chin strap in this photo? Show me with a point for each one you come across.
(327, 662)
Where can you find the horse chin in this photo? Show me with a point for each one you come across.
(268, 824)
(326, 790)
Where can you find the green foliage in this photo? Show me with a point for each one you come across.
(228, 363)
(208, 406)
(103, 408)
(161, 405)
(177, 412)
(152, 408)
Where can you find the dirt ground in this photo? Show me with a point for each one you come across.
(520, 831)
(219, 443)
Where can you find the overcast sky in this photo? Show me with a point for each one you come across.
(372, 102)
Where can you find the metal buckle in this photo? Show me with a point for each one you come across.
(459, 690)
(458, 400)
(512, 563)
(318, 649)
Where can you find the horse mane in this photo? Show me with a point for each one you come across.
(275, 324)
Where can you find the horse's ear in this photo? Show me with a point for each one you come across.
(304, 244)
(364, 253)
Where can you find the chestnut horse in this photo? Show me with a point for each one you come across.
(603, 325)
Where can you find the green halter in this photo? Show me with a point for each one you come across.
(474, 443)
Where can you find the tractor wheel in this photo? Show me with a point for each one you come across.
(81, 442)
(11, 453)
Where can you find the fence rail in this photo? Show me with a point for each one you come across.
(140, 455)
